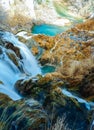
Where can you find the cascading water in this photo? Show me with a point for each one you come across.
(29, 63)
(88, 105)
(9, 72)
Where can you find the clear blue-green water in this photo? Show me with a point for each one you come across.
(47, 69)
(50, 30)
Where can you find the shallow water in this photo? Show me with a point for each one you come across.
(50, 30)
(47, 69)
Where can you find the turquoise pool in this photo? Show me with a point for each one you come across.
(47, 69)
(50, 30)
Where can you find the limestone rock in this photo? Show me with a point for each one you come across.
(70, 52)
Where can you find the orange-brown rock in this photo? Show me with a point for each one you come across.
(71, 52)
(14, 48)
(87, 85)
(88, 25)
(44, 41)
(34, 50)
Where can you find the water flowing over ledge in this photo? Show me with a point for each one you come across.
(88, 105)
(9, 72)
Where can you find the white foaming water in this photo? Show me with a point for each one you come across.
(30, 64)
(10, 92)
(87, 104)
(23, 34)
(9, 72)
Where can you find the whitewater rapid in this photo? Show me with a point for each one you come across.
(9, 72)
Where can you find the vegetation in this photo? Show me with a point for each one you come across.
(59, 125)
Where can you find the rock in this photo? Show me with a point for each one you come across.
(12, 51)
(35, 50)
(1, 82)
(13, 57)
(28, 86)
(16, 14)
(47, 91)
(87, 85)
(14, 48)
(44, 41)
(70, 52)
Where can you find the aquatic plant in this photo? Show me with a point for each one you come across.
(60, 124)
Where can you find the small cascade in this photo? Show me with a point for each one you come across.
(9, 72)
(88, 105)
(30, 64)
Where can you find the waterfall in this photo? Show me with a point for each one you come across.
(88, 105)
(9, 72)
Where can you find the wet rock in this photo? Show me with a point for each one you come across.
(1, 82)
(28, 86)
(22, 39)
(14, 48)
(11, 51)
(13, 57)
